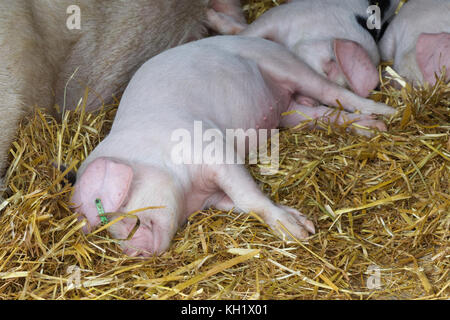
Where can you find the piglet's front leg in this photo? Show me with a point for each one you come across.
(298, 113)
(242, 194)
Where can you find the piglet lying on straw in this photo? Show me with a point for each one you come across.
(201, 90)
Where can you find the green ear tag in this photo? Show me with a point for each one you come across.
(101, 211)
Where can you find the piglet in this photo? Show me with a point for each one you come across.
(223, 82)
(418, 40)
(331, 36)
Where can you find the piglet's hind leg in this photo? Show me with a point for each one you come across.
(298, 113)
(289, 72)
(243, 194)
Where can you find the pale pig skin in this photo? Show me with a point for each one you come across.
(310, 28)
(227, 82)
(418, 40)
(38, 53)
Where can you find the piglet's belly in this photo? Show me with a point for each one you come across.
(229, 92)
(259, 107)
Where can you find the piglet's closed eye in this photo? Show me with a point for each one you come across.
(433, 53)
(103, 179)
(355, 63)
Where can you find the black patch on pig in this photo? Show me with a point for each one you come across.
(382, 31)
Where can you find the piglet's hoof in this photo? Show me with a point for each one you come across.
(286, 221)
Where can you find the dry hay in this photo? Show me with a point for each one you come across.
(382, 202)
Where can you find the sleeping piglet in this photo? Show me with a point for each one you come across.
(225, 82)
(331, 36)
(418, 40)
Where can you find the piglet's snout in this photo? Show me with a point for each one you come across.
(144, 242)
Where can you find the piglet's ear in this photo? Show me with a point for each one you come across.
(355, 63)
(106, 180)
(432, 53)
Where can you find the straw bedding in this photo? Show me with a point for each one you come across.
(380, 202)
